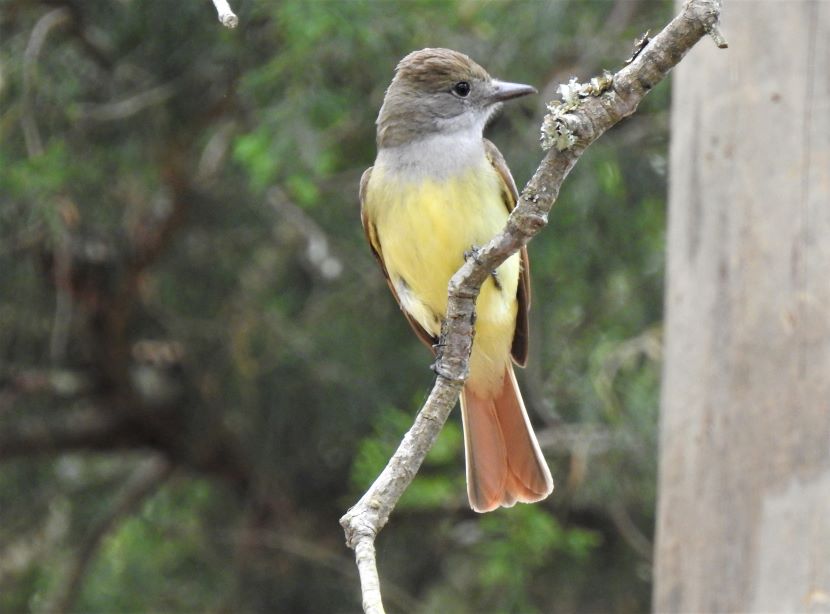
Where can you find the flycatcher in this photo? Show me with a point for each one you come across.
(438, 188)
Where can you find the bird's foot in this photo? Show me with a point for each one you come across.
(472, 254)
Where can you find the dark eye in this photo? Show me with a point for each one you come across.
(462, 88)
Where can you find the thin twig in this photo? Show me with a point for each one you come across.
(318, 252)
(62, 383)
(334, 562)
(214, 153)
(593, 49)
(225, 14)
(588, 112)
(17, 555)
(630, 532)
(44, 25)
(62, 319)
(127, 107)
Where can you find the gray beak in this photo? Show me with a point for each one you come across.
(502, 90)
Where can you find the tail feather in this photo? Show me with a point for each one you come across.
(504, 462)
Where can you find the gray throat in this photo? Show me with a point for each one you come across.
(436, 156)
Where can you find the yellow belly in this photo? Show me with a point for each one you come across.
(423, 231)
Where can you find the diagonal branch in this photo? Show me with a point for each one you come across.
(129, 106)
(585, 114)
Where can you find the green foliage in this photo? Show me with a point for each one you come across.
(38, 182)
(37, 178)
(164, 551)
(254, 153)
(519, 543)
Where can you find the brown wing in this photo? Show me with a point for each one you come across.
(511, 196)
(374, 243)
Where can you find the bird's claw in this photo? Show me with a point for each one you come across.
(472, 254)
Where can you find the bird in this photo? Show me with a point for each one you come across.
(436, 190)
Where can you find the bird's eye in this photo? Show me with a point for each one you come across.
(462, 88)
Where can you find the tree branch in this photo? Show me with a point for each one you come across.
(44, 26)
(289, 543)
(78, 430)
(629, 531)
(120, 110)
(586, 112)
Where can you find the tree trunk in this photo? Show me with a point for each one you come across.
(744, 487)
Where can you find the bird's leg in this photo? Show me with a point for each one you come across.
(496, 282)
(438, 350)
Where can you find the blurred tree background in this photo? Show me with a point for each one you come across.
(201, 367)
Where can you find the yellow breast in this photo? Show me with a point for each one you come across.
(424, 229)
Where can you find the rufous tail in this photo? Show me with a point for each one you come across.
(504, 462)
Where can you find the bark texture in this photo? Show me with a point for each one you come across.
(744, 510)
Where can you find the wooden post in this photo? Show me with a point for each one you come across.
(744, 486)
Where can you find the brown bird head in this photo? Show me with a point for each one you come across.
(440, 91)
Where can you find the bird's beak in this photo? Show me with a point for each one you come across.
(502, 90)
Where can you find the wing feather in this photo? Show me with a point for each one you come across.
(521, 336)
(374, 244)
